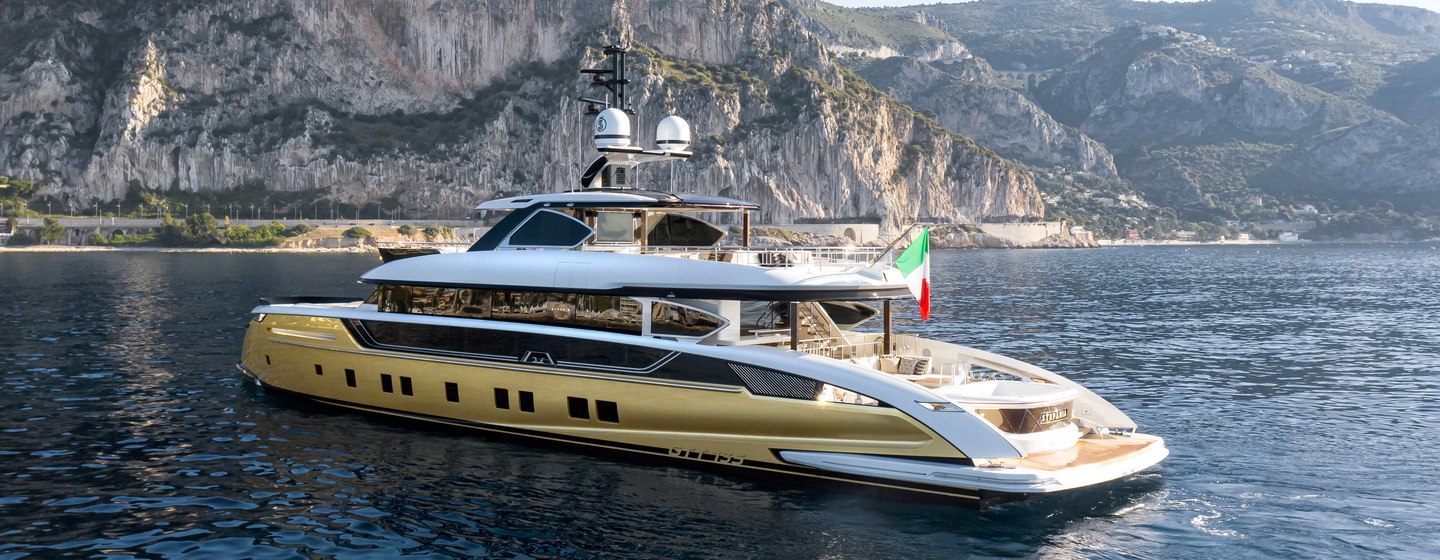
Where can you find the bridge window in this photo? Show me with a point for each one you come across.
(683, 231)
(548, 228)
(614, 227)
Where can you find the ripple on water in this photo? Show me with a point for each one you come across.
(1295, 388)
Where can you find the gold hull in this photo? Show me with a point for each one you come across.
(318, 358)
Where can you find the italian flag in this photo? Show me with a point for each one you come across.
(914, 263)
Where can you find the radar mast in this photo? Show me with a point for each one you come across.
(618, 152)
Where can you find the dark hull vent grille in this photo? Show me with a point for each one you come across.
(772, 383)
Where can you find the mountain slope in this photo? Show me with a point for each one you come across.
(873, 33)
(1188, 119)
(1338, 46)
(970, 102)
(1413, 93)
(429, 108)
(1143, 75)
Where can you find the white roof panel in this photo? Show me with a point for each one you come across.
(596, 272)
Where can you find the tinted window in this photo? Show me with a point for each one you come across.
(579, 351)
(491, 217)
(762, 316)
(614, 227)
(609, 313)
(675, 320)
(563, 351)
(443, 339)
(681, 230)
(548, 228)
(848, 314)
(472, 303)
(689, 367)
(511, 346)
(432, 301)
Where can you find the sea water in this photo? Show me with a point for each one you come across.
(1296, 387)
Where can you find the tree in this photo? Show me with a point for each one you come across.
(299, 229)
(357, 232)
(439, 232)
(20, 188)
(20, 239)
(172, 232)
(51, 232)
(202, 228)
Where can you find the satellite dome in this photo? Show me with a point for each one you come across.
(612, 129)
(673, 134)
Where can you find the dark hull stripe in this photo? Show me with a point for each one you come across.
(980, 497)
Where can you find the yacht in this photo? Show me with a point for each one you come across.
(617, 318)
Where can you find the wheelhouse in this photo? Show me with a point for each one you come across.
(606, 219)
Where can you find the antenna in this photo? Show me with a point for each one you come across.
(612, 79)
(614, 169)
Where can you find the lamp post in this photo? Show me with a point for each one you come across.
(186, 208)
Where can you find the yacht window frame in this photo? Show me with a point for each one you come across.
(482, 304)
(654, 219)
(647, 320)
(635, 218)
(506, 244)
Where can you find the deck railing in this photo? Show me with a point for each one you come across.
(839, 348)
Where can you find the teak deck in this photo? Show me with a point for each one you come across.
(1086, 452)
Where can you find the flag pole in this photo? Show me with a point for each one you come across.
(892, 244)
(889, 328)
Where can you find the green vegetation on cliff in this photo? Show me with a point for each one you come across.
(864, 29)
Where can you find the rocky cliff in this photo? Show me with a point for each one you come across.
(1153, 86)
(1187, 117)
(1394, 160)
(1326, 43)
(1413, 93)
(876, 34)
(967, 97)
(433, 106)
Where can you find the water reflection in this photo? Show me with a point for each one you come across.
(1296, 388)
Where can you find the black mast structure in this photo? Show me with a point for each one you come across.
(612, 79)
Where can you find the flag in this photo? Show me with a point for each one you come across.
(914, 263)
